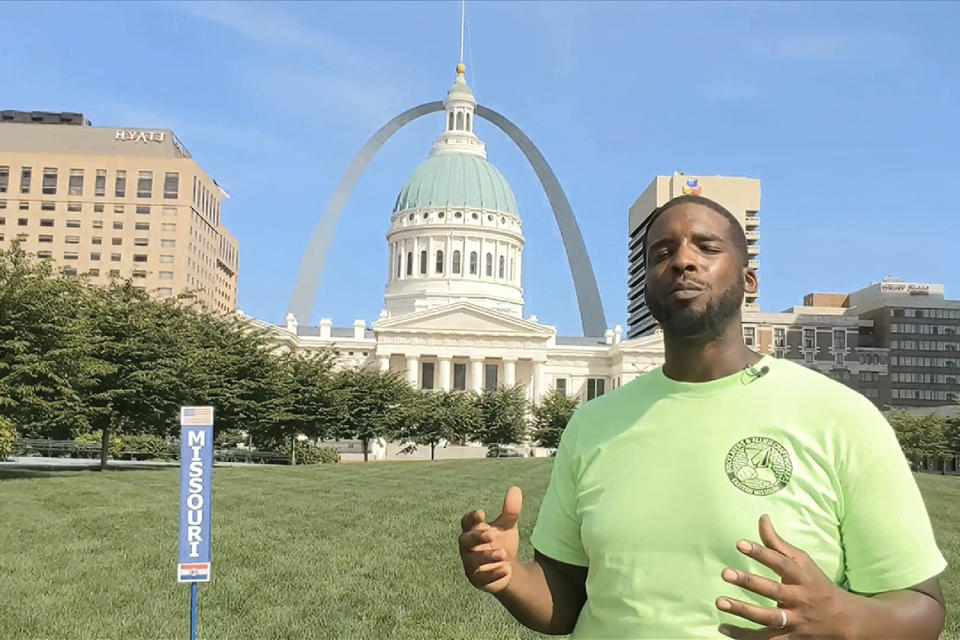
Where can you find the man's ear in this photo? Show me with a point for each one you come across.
(750, 282)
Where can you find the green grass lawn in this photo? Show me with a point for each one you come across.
(333, 551)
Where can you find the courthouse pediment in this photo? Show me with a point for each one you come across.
(462, 318)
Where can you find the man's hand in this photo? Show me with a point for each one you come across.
(809, 604)
(489, 549)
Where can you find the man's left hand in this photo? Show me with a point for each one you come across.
(809, 604)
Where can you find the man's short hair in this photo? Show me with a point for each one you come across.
(737, 235)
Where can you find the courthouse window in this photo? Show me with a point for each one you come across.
(426, 381)
(456, 262)
(490, 265)
(473, 263)
(595, 387)
(561, 386)
(459, 376)
(490, 377)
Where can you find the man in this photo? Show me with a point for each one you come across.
(648, 527)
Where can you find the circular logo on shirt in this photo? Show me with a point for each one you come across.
(758, 465)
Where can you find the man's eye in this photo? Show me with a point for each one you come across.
(710, 248)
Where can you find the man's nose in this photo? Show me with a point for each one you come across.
(684, 259)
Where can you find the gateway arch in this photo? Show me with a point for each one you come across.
(592, 319)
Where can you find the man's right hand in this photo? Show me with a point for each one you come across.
(488, 550)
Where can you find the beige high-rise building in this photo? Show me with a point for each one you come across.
(740, 196)
(115, 202)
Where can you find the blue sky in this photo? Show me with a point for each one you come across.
(847, 112)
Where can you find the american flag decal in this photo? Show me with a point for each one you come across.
(196, 416)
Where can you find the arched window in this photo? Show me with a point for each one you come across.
(459, 120)
(468, 122)
(456, 262)
(490, 265)
(439, 261)
(410, 263)
(423, 263)
(450, 123)
(473, 263)
(501, 268)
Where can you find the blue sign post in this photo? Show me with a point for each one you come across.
(196, 471)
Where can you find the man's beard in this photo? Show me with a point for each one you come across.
(689, 322)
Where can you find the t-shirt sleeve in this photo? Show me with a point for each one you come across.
(557, 532)
(887, 536)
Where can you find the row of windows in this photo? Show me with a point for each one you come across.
(165, 243)
(869, 376)
(919, 361)
(928, 378)
(926, 313)
(921, 394)
(114, 257)
(95, 224)
(930, 329)
(455, 267)
(50, 179)
(923, 345)
(77, 207)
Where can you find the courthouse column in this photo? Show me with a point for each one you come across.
(509, 372)
(476, 374)
(444, 373)
(413, 366)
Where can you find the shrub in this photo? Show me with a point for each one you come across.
(8, 436)
(311, 454)
(146, 447)
(94, 437)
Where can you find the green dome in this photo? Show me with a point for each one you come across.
(457, 180)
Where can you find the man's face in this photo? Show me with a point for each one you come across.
(696, 278)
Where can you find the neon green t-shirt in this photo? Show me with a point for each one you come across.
(654, 483)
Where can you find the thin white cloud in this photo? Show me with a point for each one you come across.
(833, 45)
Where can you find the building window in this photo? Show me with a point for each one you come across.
(95, 257)
(839, 339)
(49, 181)
(168, 226)
(24, 206)
(74, 207)
(423, 263)
(594, 388)
(171, 185)
(456, 262)
(98, 224)
(141, 242)
(459, 376)
(165, 275)
(779, 337)
(118, 224)
(45, 238)
(116, 241)
(460, 121)
(96, 240)
(115, 273)
(560, 384)
(100, 183)
(142, 226)
(426, 380)
(45, 255)
(72, 240)
(4, 179)
(490, 265)
(410, 263)
(98, 208)
(450, 122)
(808, 357)
(46, 222)
(120, 184)
(749, 336)
(168, 243)
(490, 377)
(69, 255)
(143, 210)
(26, 174)
(439, 261)
(76, 182)
(501, 272)
(145, 184)
(809, 338)
(139, 257)
(22, 222)
(169, 211)
(164, 292)
(473, 263)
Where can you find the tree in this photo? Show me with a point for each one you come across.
(433, 416)
(369, 404)
(551, 416)
(503, 415)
